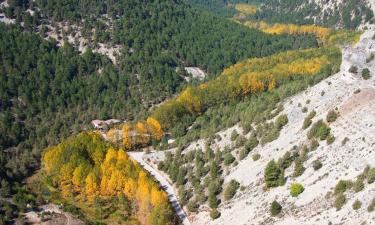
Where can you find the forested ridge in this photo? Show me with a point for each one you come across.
(49, 92)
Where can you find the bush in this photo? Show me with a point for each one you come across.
(234, 135)
(358, 185)
(228, 159)
(296, 189)
(340, 201)
(304, 109)
(193, 206)
(357, 205)
(314, 144)
(256, 157)
(231, 189)
(370, 175)
(281, 121)
(275, 208)
(214, 214)
(317, 164)
(251, 143)
(319, 130)
(342, 186)
(273, 175)
(298, 168)
(353, 69)
(330, 139)
(366, 74)
(371, 207)
(331, 116)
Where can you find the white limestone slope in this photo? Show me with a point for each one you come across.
(356, 122)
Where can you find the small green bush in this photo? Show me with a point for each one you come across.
(370, 175)
(371, 207)
(331, 116)
(342, 186)
(353, 69)
(358, 185)
(275, 208)
(357, 205)
(298, 168)
(214, 214)
(273, 175)
(228, 159)
(234, 135)
(296, 189)
(317, 164)
(256, 157)
(281, 121)
(340, 201)
(314, 144)
(366, 74)
(330, 139)
(231, 190)
(319, 130)
(304, 109)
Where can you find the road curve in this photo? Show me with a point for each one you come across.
(138, 156)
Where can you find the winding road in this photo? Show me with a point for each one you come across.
(138, 156)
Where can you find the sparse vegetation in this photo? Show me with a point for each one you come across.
(317, 164)
(366, 74)
(353, 69)
(331, 116)
(296, 189)
(307, 121)
(214, 214)
(273, 175)
(275, 208)
(319, 130)
(256, 157)
(231, 189)
(357, 204)
(339, 201)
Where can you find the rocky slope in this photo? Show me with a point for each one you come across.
(353, 98)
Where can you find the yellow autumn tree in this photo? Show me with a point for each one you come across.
(126, 136)
(155, 128)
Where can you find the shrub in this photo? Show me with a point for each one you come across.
(317, 164)
(275, 208)
(298, 168)
(234, 135)
(342, 186)
(371, 207)
(296, 189)
(240, 141)
(314, 144)
(370, 175)
(231, 189)
(281, 121)
(256, 157)
(340, 201)
(353, 69)
(214, 214)
(358, 185)
(228, 159)
(366, 74)
(357, 205)
(304, 109)
(251, 143)
(193, 206)
(343, 142)
(330, 139)
(273, 175)
(319, 130)
(331, 116)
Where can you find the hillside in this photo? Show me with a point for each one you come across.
(58, 72)
(187, 112)
(345, 155)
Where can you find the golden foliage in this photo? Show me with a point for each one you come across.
(246, 9)
(114, 175)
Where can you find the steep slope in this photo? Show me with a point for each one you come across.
(352, 97)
